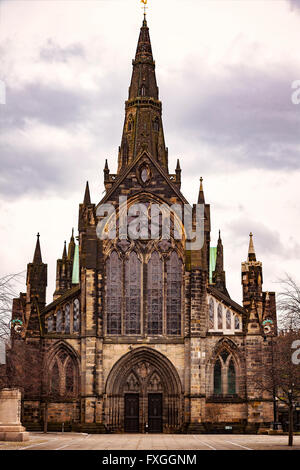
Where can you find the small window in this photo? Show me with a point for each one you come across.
(67, 318)
(50, 322)
(76, 317)
(211, 314)
(156, 124)
(228, 320)
(130, 123)
(220, 317)
(143, 90)
(237, 322)
(59, 321)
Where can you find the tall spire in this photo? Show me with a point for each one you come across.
(37, 258)
(251, 250)
(64, 255)
(71, 247)
(143, 129)
(218, 276)
(87, 197)
(201, 198)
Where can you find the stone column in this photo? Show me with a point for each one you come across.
(11, 428)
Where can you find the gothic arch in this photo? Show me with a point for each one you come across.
(227, 354)
(149, 371)
(62, 359)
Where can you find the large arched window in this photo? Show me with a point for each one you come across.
(224, 374)
(114, 294)
(63, 375)
(174, 284)
(132, 295)
(211, 314)
(155, 295)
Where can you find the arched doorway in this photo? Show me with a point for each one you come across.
(143, 394)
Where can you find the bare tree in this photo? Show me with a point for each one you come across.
(288, 304)
(8, 292)
(281, 378)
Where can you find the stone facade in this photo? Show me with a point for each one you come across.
(139, 337)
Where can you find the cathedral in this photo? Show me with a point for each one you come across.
(142, 334)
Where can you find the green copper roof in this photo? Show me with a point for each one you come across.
(212, 261)
(75, 273)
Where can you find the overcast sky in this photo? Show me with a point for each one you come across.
(224, 69)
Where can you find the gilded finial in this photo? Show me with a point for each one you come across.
(144, 7)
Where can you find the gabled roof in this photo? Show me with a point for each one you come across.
(128, 169)
(70, 293)
(227, 300)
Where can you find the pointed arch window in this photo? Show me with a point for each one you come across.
(70, 377)
(130, 123)
(132, 295)
(237, 322)
(155, 295)
(220, 317)
(228, 320)
(55, 380)
(143, 90)
(114, 294)
(224, 374)
(231, 381)
(59, 322)
(67, 318)
(156, 124)
(76, 316)
(218, 378)
(211, 314)
(174, 284)
(50, 324)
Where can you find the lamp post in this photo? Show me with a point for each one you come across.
(291, 417)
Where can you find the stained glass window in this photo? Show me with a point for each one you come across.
(55, 388)
(76, 316)
(155, 295)
(132, 295)
(59, 321)
(114, 294)
(67, 318)
(211, 314)
(231, 378)
(174, 283)
(70, 377)
(237, 323)
(50, 322)
(228, 320)
(220, 317)
(218, 378)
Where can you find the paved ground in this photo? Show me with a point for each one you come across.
(72, 441)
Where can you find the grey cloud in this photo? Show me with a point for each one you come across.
(294, 4)
(247, 119)
(53, 52)
(267, 241)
